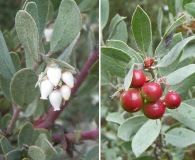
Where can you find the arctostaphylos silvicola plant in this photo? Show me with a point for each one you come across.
(148, 88)
(49, 80)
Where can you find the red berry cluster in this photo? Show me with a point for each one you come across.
(146, 96)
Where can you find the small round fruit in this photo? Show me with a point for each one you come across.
(131, 100)
(138, 79)
(154, 110)
(172, 100)
(151, 91)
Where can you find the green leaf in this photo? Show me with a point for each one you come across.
(49, 151)
(128, 77)
(125, 48)
(171, 5)
(16, 60)
(6, 65)
(6, 120)
(104, 13)
(6, 146)
(159, 21)
(39, 132)
(36, 153)
(67, 52)
(190, 8)
(41, 138)
(5, 87)
(13, 155)
(164, 46)
(115, 53)
(23, 89)
(180, 137)
(130, 127)
(43, 7)
(93, 153)
(110, 65)
(67, 25)
(28, 34)
(174, 53)
(87, 5)
(115, 117)
(144, 138)
(31, 8)
(118, 29)
(186, 1)
(141, 27)
(179, 76)
(184, 114)
(163, 71)
(25, 135)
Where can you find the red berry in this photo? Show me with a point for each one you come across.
(138, 79)
(154, 110)
(172, 100)
(151, 91)
(131, 100)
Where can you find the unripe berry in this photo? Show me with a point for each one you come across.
(138, 79)
(65, 91)
(68, 79)
(46, 87)
(54, 75)
(55, 99)
(154, 110)
(131, 100)
(172, 100)
(151, 91)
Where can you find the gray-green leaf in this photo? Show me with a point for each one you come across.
(28, 34)
(6, 65)
(23, 89)
(180, 137)
(104, 13)
(128, 78)
(67, 25)
(36, 153)
(130, 126)
(141, 27)
(145, 136)
(190, 8)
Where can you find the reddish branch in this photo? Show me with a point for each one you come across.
(89, 135)
(53, 115)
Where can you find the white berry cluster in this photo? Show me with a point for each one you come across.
(55, 84)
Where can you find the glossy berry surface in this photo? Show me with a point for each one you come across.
(131, 100)
(138, 79)
(154, 110)
(151, 91)
(172, 100)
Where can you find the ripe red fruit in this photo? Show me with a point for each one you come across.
(151, 91)
(138, 79)
(154, 110)
(131, 100)
(172, 100)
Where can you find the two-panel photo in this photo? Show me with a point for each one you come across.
(97, 80)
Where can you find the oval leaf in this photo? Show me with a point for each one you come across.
(28, 34)
(115, 117)
(130, 126)
(145, 136)
(180, 137)
(104, 13)
(6, 65)
(141, 27)
(16, 60)
(128, 78)
(23, 89)
(36, 153)
(174, 52)
(190, 8)
(184, 114)
(67, 25)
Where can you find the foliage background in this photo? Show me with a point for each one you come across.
(82, 113)
(112, 146)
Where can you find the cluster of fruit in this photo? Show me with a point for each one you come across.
(56, 84)
(147, 96)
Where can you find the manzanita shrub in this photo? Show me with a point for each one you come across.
(147, 89)
(49, 82)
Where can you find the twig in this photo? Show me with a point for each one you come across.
(13, 120)
(89, 135)
(83, 74)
